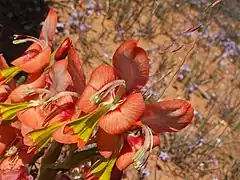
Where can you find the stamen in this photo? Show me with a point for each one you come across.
(18, 39)
(142, 154)
(105, 90)
(35, 91)
(59, 95)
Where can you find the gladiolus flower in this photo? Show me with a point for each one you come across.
(37, 56)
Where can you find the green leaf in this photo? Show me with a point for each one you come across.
(41, 137)
(102, 168)
(85, 126)
(9, 73)
(9, 111)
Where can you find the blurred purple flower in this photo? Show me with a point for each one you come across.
(200, 142)
(180, 76)
(186, 68)
(163, 156)
(121, 32)
(90, 5)
(146, 172)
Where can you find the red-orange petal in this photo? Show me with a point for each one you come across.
(131, 64)
(38, 63)
(4, 92)
(107, 143)
(62, 50)
(49, 26)
(66, 138)
(129, 149)
(168, 116)
(18, 94)
(59, 76)
(125, 116)
(76, 71)
(27, 56)
(101, 76)
(32, 117)
(7, 135)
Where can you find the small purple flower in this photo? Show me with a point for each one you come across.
(180, 76)
(83, 27)
(186, 68)
(121, 32)
(163, 156)
(90, 5)
(146, 172)
(215, 161)
(200, 142)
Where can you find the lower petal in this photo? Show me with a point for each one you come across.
(125, 116)
(107, 143)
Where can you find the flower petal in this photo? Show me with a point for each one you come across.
(101, 76)
(49, 26)
(62, 50)
(131, 146)
(19, 94)
(168, 116)
(107, 143)
(125, 116)
(76, 71)
(37, 63)
(27, 56)
(59, 77)
(131, 64)
(60, 135)
(32, 117)
(7, 135)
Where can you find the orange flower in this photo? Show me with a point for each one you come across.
(37, 56)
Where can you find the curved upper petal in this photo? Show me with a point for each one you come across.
(125, 116)
(131, 64)
(76, 71)
(101, 76)
(168, 116)
(49, 26)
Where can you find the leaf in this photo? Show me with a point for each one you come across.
(102, 169)
(85, 126)
(8, 74)
(41, 137)
(9, 111)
